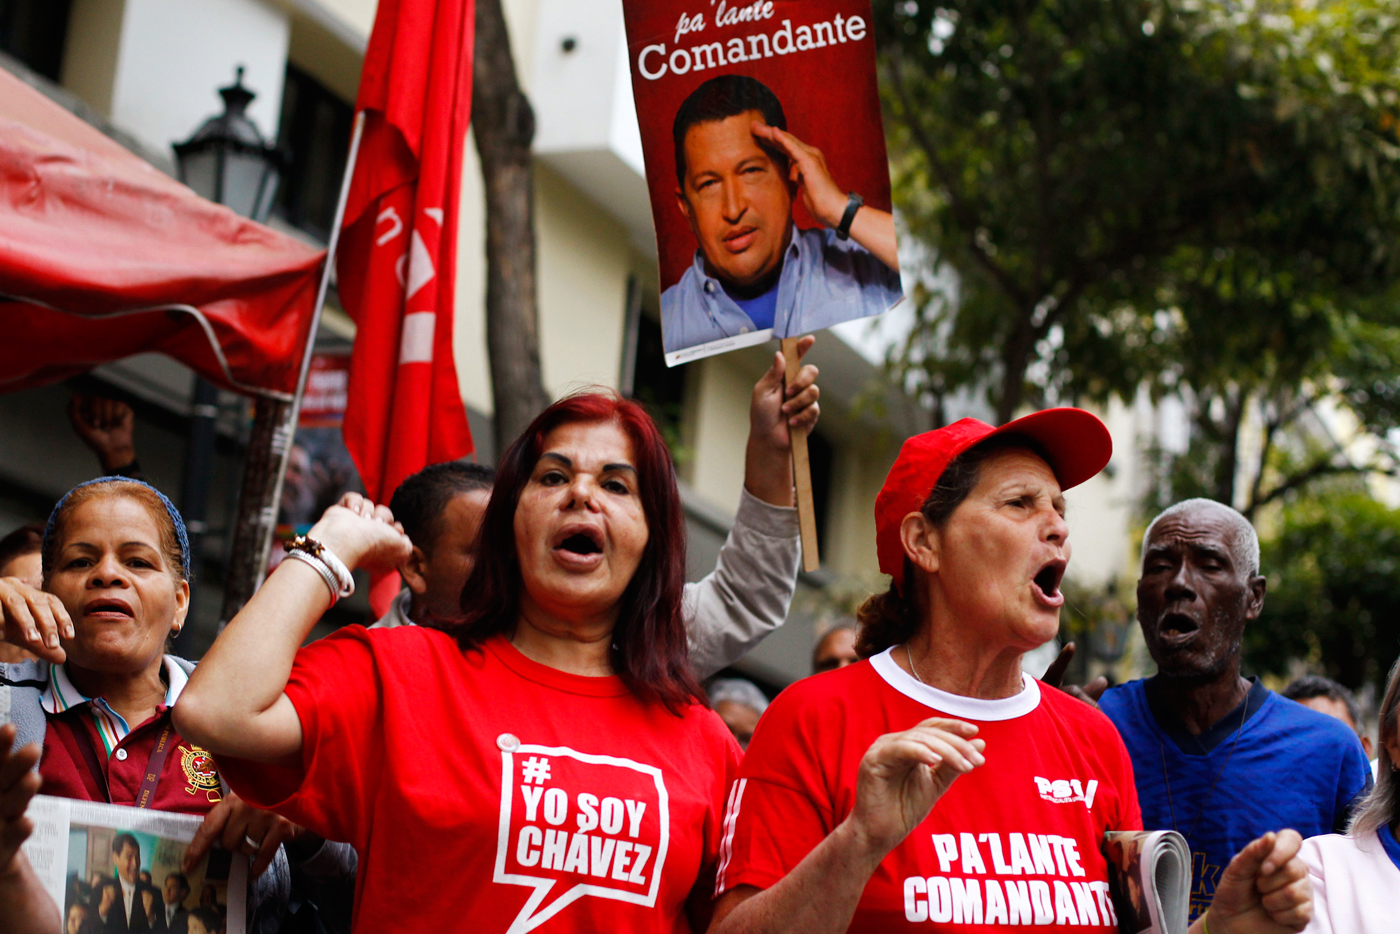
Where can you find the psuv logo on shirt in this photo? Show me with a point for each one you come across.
(1067, 791)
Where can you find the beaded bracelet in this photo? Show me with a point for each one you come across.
(341, 580)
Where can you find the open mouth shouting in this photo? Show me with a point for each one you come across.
(1175, 629)
(112, 609)
(1046, 583)
(579, 547)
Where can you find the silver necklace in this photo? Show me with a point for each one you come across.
(910, 656)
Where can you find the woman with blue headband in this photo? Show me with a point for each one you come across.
(116, 591)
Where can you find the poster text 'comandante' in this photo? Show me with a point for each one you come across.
(653, 62)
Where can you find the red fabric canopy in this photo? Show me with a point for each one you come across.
(102, 256)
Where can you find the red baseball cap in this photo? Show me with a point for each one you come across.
(1075, 441)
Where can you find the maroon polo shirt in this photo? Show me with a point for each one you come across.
(188, 781)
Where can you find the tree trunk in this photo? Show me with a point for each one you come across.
(504, 126)
(263, 470)
(1228, 465)
(1015, 355)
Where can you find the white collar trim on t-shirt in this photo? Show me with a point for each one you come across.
(967, 708)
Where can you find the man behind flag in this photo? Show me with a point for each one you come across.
(397, 260)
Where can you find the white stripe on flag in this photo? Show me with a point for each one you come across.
(417, 343)
(726, 844)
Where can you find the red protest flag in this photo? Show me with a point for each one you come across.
(398, 254)
(397, 259)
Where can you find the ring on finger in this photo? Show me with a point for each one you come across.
(252, 845)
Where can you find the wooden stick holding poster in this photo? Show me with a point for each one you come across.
(802, 471)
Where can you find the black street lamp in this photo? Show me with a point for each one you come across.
(228, 161)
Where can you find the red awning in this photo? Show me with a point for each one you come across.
(103, 256)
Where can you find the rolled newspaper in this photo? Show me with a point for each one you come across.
(1149, 874)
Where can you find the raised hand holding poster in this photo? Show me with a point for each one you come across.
(766, 165)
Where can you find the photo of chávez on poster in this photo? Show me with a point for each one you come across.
(766, 165)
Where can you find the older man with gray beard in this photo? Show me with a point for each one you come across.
(1216, 756)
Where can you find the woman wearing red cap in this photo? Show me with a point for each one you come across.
(846, 813)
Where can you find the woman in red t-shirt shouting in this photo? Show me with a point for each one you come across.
(936, 786)
(547, 763)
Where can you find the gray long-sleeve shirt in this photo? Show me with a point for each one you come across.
(748, 594)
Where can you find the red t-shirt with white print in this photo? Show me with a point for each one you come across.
(1016, 842)
(487, 792)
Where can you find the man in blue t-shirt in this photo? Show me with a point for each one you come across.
(1217, 757)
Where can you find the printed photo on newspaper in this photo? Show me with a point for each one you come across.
(1149, 874)
(98, 859)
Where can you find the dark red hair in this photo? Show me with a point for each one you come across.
(649, 641)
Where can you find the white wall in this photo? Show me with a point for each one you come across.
(857, 475)
(584, 259)
(582, 263)
(469, 323)
(587, 120)
(522, 20)
(583, 98)
(717, 430)
(1100, 512)
(173, 55)
(353, 16)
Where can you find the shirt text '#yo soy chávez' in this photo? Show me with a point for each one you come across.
(1014, 843)
(487, 792)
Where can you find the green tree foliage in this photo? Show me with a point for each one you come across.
(1308, 359)
(1196, 197)
(1200, 198)
(1293, 307)
(1334, 588)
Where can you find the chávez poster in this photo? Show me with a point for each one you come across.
(766, 165)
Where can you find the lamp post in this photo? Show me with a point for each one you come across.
(227, 161)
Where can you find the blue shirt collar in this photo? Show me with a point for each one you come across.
(1220, 731)
(1389, 844)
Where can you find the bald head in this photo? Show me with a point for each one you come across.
(1244, 541)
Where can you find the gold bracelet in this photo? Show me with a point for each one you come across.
(1205, 928)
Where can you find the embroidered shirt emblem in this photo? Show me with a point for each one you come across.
(200, 772)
